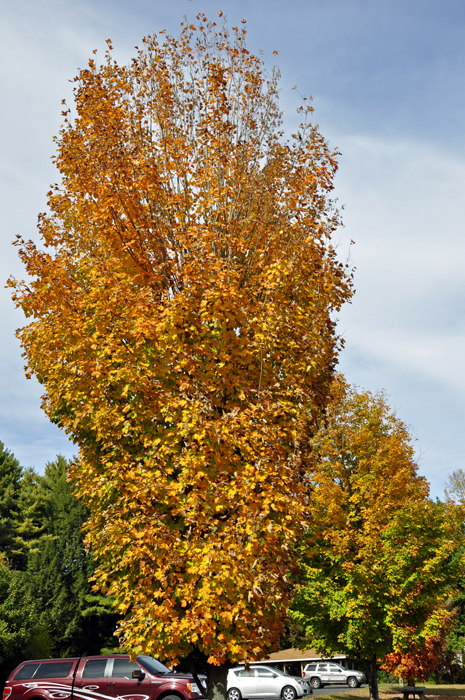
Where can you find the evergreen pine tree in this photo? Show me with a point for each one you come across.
(59, 570)
(10, 485)
(30, 526)
(46, 603)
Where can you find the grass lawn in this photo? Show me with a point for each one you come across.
(430, 689)
(388, 691)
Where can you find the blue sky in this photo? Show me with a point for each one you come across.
(387, 79)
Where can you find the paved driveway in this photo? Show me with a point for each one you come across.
(330, 689)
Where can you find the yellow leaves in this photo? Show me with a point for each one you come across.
(181, 330)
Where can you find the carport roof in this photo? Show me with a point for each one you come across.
(290, 655)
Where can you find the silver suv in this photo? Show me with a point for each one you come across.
(264, 682)
(320, 674)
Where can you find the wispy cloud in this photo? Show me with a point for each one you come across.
(405, 330)
(389, 92)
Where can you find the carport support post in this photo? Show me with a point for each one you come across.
(193, 671)
(372, 677)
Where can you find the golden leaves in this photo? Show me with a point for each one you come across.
(181, 328)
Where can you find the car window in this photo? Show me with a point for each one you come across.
(123, 668)
(27, 671)
(322, 667)
(264, 673)
(334, 667)
(244, 673)
(94, 668)
(56, 669)
(310, 667)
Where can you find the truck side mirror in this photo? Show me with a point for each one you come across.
(139, 674)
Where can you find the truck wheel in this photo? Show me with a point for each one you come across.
(352, 682)
(234, 694)
(316, 683)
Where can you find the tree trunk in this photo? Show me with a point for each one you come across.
(217, 681)
(372, 676)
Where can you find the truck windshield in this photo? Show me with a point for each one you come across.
(152, 665)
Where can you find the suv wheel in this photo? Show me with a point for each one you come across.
(352, 682)
(234, 694)
(316, 683)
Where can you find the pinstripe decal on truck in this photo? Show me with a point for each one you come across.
(60, 691)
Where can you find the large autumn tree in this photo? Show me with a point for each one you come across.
(181, 325)
(381, 561)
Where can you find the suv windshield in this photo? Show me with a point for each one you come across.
(152, 665)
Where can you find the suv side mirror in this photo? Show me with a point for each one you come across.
(139, 674)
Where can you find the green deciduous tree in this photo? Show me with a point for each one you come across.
(21, 634)
(380, 559)
(455, 486)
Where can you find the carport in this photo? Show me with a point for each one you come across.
(293, 661)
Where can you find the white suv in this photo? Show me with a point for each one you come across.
(264, 682)
(320, 674)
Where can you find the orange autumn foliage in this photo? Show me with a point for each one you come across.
(420, 661)
(181, 327)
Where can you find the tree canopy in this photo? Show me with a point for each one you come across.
(182, 327)
(381, 560)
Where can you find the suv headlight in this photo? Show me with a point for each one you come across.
(194, 688)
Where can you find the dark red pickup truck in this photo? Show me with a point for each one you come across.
(99, 678)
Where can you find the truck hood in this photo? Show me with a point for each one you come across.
(174, 676)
